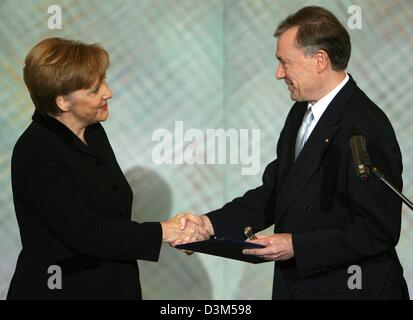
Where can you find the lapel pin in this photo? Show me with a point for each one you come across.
(327, 140)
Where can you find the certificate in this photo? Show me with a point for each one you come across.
(224, 247)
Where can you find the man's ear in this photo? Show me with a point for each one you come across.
(63, 103)
(322, 59)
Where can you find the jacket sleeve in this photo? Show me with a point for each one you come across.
(47, 189)
(376, 213)
(255, 208)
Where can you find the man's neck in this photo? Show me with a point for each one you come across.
(330, 81)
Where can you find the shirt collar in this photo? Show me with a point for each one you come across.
(321, 105)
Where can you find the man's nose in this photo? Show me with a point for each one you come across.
(280, 73)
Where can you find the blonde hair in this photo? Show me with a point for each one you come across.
(56, 67)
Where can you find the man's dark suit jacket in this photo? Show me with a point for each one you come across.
(73, 206)
(336, 220)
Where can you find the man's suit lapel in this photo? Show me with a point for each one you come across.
(299, 173)
(286, 156)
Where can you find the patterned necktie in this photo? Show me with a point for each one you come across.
(302, 135)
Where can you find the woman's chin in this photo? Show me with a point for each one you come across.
(103, 115)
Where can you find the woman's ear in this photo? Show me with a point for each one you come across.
(63, 103)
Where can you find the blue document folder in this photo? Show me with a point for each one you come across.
(227, 248)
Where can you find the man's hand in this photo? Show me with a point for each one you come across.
(174, 233)
(278, 247)
(199, 226)
(203, 223)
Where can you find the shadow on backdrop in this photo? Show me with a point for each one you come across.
(176, 275)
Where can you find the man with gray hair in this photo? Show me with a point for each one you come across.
(328, 224)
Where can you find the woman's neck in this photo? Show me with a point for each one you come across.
(76, 126)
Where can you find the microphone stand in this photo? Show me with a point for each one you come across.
(382, 178)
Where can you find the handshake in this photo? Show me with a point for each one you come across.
(186, 227)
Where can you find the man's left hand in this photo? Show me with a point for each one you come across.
(278, 247)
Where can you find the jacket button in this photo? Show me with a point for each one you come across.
(298, 291)
(120, 215)
(115, 187)
(310, 209)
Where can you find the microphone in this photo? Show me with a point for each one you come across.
(361, 158)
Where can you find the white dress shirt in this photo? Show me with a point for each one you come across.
(321, 105)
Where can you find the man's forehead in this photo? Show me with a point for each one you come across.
(279, 51)
(288, 37)
(286, 43)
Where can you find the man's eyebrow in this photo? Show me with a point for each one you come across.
(281, 59)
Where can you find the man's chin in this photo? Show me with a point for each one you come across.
(296, 99)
